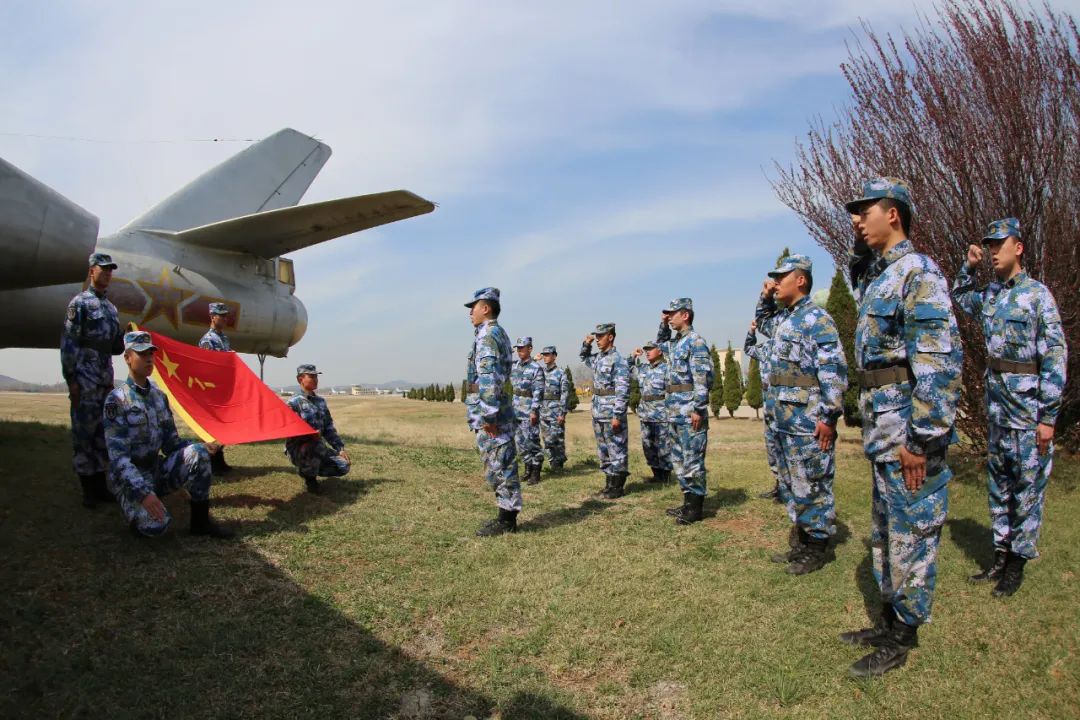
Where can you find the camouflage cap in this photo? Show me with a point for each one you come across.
(307, 370)
(1001, 229)
(102, 260)
(219, 309)
(604, 329)
(793, 262)
(523, 341)
(488, 293)
(679, 304)
(651, 345)
(138, 340)
(549, 350)
(879, 189)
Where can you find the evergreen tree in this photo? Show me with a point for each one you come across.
(716, 392)
(572, 401)
(733, 384)
(450, 392)
(430, 393)
(780, 258)
(841, 306)
(754, 396)
(635, 394)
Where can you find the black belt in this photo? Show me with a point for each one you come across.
(685, 387)
(603, 393)
(523, 393)
(880, 377)
(650, 398)
(1012, 366)
(792, 380)
(474, 387)
(102, 346)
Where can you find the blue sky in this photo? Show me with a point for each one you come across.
(593, 160)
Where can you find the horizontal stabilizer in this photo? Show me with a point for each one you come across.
(276, 232)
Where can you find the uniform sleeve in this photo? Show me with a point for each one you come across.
(301, 407)
(767, 315)
(488, 380)
(170, 439)
(701, 370)
(964, 293)
(69, 341)
(621, 376)
(564, 393)
(934, 360)
(538, 390)
(1052, 355)
(117, 443)
(860, 260)
(831, 370)
(330, 433)
(751, 347)
(587, 355)
(205, 342)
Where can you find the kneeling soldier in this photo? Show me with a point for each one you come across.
(322, 454)
(139, 427)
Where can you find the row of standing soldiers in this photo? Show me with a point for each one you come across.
(909, 358)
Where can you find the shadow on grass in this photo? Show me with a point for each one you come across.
(87, 610)
(642, 486)
(563, 516)
(973, 538)
(724, 498)
(868, 587)
(238, 473)
(302, 508)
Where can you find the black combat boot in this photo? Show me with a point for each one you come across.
(813, 556)
(89, 497)
(217, 464)
(539, 469)
(201, 524)
(657, 476)
(312, 484)
(678, 510)
(1011, 578)
(993, 572)
(692, 510)
(618, 482)
(872, 636)
(101, 489)
(608, 481)
(505, 523)
(557, 467)
(771, 494)
(890, 654)
(797, 538)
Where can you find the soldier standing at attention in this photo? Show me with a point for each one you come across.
(139, 427)
(762, 352)
(909, 358)
(1025, 376)
(807, 379)
(527, 379)
(553, 409)
(91, 337)
(215, 340)
(651, 373)
(489, 408)
(323, 453)
(690, 375)
(611, 395)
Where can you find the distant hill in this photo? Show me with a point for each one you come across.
(14, 384)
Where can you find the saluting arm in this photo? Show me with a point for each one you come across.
(860, 260)
(964, 293)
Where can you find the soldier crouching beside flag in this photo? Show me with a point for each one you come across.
(139, 427)
(309, 453)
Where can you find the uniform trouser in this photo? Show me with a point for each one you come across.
(904, 538)
(611, 446)
(655, 443)
(527, 440)
(772, 454)
(554, 439)
(806, 474)
(1016, 480)
(500, 467)
(88, 431)
(188, 467)
(688, 455)
(317, 459)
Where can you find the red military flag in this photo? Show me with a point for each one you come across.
(219, 397)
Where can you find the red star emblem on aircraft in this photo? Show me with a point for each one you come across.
(165, 299)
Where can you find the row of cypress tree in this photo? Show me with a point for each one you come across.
(433, 393)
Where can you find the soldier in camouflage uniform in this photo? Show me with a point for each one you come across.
(91, 337)
(1025, 377)
(690, 375)
(489, 409)
(139, 428)
(762, 352)
(650, 369)
(216, 340)
(323, 453)
(807, 379)
(611, 395)
(554, 408)
(909, 358)
(527, 379)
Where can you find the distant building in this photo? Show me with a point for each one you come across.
(356, 390)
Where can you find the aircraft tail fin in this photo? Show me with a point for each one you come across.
(271, 174)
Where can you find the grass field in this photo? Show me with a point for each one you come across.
(375, 599)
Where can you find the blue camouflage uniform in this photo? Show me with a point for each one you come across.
(319, 454)
(611, 394)
(490, 361)
(91, 337)
(1025, 377)
(807, 379)
(690, 376)
(554, 408)
(214, 340)
(762, 350)
(652, 410)
(146, 455)
(909, 358)
(527, 380)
